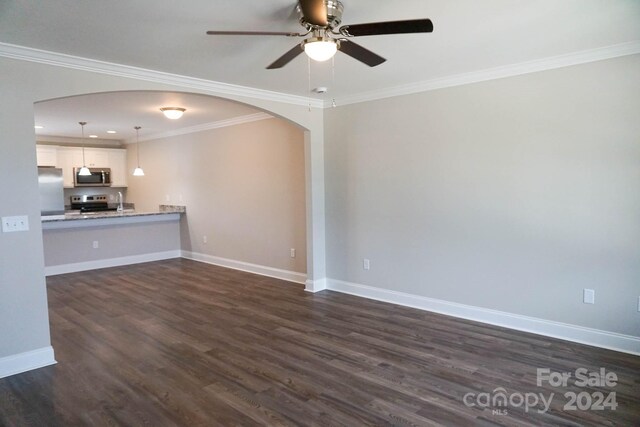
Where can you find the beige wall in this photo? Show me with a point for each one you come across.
(243, 185)
(512, 194)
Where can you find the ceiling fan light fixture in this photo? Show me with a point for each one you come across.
(173, 113)
(320, 48)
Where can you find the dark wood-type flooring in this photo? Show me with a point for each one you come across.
(183, 343)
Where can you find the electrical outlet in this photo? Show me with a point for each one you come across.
(96, 244)
(366, 264)
(15, 223)
(167, 198)
(204, 239)
(589, 296)
(293, 253)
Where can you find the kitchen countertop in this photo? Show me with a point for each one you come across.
(76, 219)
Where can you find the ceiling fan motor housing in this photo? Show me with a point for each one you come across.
(334, 14)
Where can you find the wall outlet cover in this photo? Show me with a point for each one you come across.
(589, 296)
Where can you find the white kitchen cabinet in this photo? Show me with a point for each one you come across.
(69, 158)
(118, 165)
(96, 157)
(47, 155)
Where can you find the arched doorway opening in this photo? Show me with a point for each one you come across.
(241, 172)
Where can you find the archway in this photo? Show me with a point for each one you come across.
(120, 110)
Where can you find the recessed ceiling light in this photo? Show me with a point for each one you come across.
(173, 112)
(320, 89)
(93, 136)
(38, 127)
(111, 131)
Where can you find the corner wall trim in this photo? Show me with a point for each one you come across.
(23, 362)
(314, 286)
(594, 337)
(53, 270)
(289, 276)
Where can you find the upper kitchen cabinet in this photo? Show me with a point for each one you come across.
(118, 165)
(47, 155)
(96, 157)
(68, 158)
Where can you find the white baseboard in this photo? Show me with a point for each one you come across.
(314, 286)
(23, 362)
(53, 270)
(579, 334)
(290, 276)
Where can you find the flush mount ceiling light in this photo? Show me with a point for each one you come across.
(173, 113)
(84, 170)
(93, 136)
(38, 127)
(320, 48)
(111, 131)
(138, 171)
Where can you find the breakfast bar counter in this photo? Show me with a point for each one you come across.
(86, 241)
(95, 219)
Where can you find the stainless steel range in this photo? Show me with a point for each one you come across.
(96, 203)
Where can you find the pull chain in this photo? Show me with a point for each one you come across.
(309, 80)
(333, 79)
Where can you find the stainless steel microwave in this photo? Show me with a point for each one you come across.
(100, 177)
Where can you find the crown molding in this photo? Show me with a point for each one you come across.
(77, 142)
(205, 126)
(208, 86)
(218, 88)
(554, 62)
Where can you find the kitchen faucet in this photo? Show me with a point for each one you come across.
(120, 204)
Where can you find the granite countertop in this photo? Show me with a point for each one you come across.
(127, 213)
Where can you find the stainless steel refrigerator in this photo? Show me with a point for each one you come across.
(51, 191)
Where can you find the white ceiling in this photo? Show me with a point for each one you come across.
(121, 111)
(169, 36)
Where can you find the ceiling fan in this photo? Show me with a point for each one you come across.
(320, 18)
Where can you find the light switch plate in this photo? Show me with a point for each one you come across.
(15, 223)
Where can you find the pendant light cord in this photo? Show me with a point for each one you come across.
(84, 163)
(138, 145)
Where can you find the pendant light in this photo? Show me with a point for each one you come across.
(138, 171)
(84, 170)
